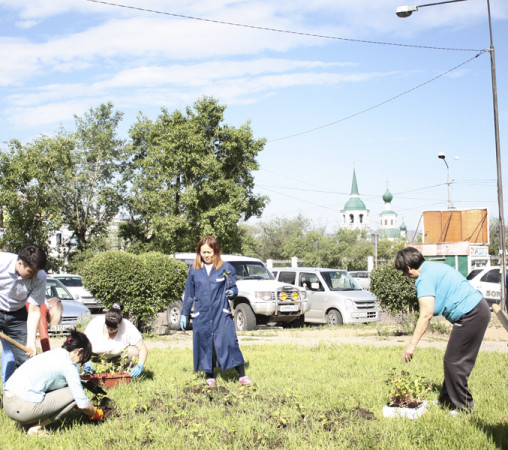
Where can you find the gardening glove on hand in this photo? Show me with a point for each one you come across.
(183, 322)
(88, 367)
(136, 372)
(98, 415)
(230, 293)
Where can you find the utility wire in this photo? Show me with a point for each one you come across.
(277, 30)
(379, 104)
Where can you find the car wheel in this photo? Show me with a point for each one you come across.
(173, 315)
(334, 318)
(245, 319)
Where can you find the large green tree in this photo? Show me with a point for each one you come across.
(70, 180)
(190, 175)
(30, 184)
(93, 184)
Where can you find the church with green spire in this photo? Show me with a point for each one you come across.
(355, 215)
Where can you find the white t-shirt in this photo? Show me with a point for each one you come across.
(97, 332)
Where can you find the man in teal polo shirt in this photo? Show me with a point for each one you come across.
(442, 290)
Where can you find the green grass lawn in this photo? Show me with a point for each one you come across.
(304, 397)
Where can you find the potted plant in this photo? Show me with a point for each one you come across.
(407, 392)
(109, 373)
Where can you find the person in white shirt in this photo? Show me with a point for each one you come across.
(113, 336)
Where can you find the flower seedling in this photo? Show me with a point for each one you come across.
(406, 390)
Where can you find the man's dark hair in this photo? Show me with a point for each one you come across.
(33, 256)
(408, 257)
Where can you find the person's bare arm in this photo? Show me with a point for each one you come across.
(32, 323)
(143, 352)
(426, 313)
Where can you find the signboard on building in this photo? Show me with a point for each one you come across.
(455, 225)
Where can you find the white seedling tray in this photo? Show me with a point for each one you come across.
(409, 413)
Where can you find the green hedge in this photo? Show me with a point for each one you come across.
(145, 284)
(395, 292)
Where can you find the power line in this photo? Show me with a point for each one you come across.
(363, 111)
(277, 30)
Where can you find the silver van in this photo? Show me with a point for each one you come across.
(335, 297)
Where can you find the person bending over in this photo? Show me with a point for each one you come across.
(442, 290)
(114, 337)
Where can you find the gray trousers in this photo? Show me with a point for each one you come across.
(55, 405)
(460, 356)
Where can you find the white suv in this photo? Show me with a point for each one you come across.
(335, 297)
(261, 299)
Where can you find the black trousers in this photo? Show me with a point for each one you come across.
(460, 356)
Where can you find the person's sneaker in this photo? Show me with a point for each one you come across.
(210, 382)
(37, 430)
(245, 381)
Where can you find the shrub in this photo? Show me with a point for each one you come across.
(395, 292)
(145, 284)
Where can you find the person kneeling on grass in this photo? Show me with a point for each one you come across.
(114, 337)
(48, 386)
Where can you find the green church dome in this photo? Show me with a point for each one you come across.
(387, 196)
(354, 203)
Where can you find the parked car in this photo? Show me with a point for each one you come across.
(75, 286)
(488, 281)
(335, 297)
(362, 277)
(261, 299)
(73, 313)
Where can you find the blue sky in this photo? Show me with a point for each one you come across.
(325, 105)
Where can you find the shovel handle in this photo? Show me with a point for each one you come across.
(500, 315)
(13, 342)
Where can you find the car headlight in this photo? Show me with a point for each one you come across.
(303, 295)
(263, 295)
(349, 304)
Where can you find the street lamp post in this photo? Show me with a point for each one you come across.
(406, 11)
(443, 157)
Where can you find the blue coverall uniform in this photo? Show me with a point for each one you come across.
(212, 320)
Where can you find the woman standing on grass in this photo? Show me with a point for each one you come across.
(210, 283)
(48, 386)
(442, 290)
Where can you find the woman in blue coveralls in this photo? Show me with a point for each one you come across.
(210, 283)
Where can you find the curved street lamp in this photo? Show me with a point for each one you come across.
(406, 11)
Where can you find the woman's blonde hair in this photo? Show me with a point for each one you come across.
(215, 246)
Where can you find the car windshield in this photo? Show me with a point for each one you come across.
(55, 289)
(251, 270)
(71, 281)
(340, 281)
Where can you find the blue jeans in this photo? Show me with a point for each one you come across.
(8, 362)
(13, 324)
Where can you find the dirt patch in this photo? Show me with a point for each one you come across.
(496, 337)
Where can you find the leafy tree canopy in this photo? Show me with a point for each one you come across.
(190, 175)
